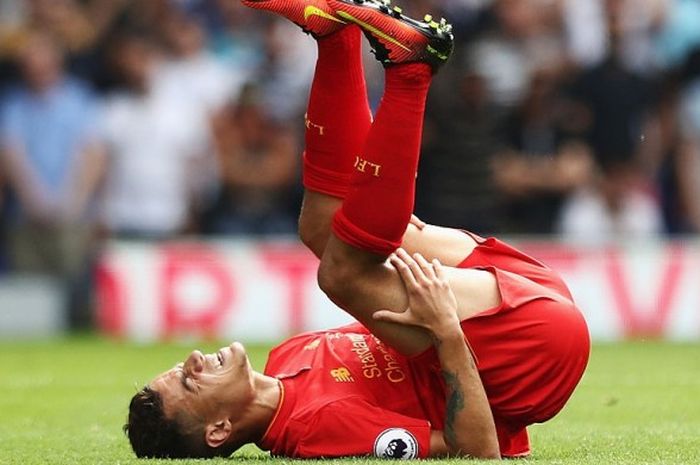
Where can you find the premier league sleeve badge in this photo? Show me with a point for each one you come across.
(396, 443)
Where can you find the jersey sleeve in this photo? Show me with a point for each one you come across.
(354, 427)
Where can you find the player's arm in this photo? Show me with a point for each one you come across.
(469, 426)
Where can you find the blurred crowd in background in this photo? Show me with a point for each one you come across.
(153, 119)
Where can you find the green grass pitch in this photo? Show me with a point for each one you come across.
(64, 402)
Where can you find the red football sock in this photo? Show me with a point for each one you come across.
(376, 212)
(338, 116)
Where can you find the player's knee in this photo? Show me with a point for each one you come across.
(336, 278)
(312, 234)
(315, 220)
(328, 279)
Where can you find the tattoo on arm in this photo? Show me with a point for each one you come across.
(455, 403)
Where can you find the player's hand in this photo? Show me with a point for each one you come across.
(417, 222)
(431, 303)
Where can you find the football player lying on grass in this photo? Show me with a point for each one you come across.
(461, 342)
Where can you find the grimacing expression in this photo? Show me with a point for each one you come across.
(207, 388)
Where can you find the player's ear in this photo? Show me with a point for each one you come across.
(217, 433)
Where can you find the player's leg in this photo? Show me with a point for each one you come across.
(377, 210)
(385, 171)
(325, 187)
(374, 216)
(337, 125)
(337, 122)
(338, 115)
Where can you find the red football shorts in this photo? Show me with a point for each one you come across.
(531, 350)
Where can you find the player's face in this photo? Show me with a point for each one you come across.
(208, 387)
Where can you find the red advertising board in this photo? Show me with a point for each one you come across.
(264, 291)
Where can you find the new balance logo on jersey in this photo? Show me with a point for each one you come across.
(342, 375)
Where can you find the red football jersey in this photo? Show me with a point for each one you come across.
(346, 393)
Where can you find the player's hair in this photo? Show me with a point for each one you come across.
(153, 435)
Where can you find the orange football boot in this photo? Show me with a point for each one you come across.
(396, 38)
(315, 17)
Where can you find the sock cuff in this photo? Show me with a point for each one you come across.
(409, 75)
(324, 180)
(349, 36)
(342, 50)
(352, 235)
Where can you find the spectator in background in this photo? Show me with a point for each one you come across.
(455, 184)
(618, 205)
(285, 75)
(465, 129)
(53, 165)
(637, 22)
(157, 144)
(685, 124)
(213, 46)
(525, 38)
(11, 21)
(543, 161)
(616, 102)
(674, 161)
(235, 35)
(194, 71)
(68, 23)
(615, 99)
(258, 159)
